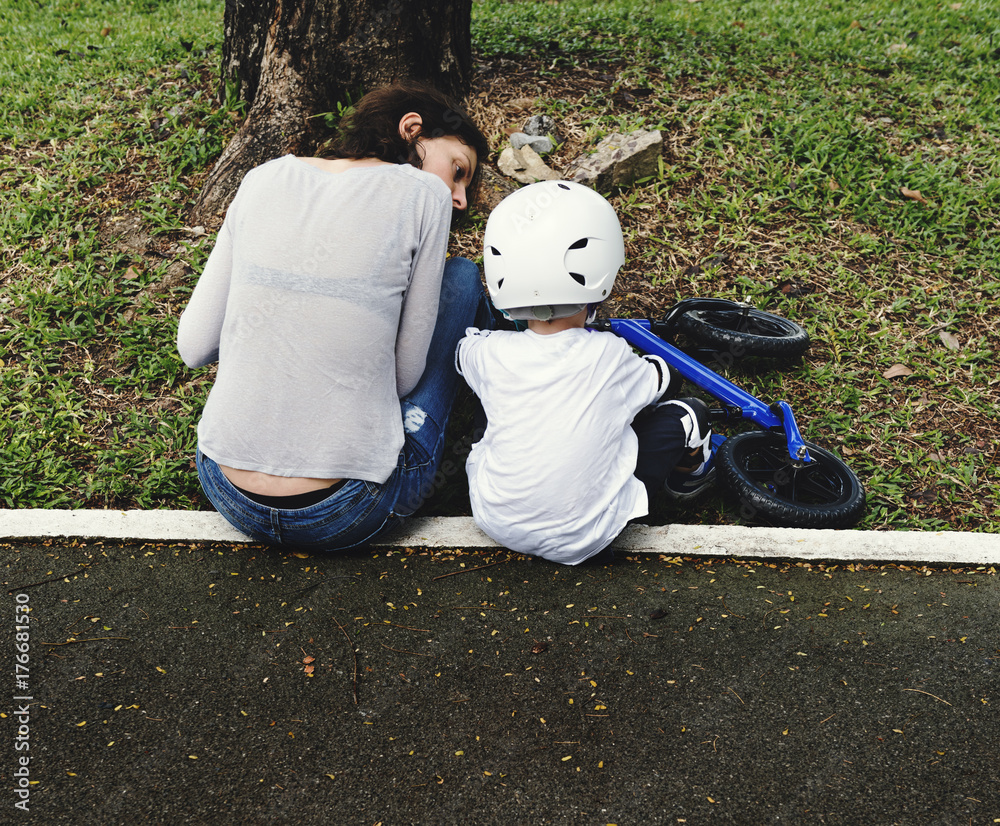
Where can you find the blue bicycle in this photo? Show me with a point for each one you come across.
(776, 476)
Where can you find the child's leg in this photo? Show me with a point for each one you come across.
(673, 436)
(427, 407)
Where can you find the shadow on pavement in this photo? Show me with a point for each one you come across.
(218, 683)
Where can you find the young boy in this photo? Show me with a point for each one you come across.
(577, 439)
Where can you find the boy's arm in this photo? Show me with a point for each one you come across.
(644, 379)
(661, 368)
(465, 356)
(669, 380)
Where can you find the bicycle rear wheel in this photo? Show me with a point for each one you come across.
(756, 469)
(745, 331)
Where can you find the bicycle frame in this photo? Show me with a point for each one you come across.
(777, 416)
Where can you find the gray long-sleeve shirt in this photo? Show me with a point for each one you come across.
(318, 301)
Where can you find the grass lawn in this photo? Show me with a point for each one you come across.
(838, 164)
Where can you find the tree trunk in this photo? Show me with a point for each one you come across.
(291, 60)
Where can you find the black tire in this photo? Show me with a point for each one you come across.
(756, 469)
(745, 331)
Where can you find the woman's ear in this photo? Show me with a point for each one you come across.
(409, 126)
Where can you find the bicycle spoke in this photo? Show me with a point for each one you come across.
(743, 322)
(822, 486)
(770, 469)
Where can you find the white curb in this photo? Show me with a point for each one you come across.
(945, 547)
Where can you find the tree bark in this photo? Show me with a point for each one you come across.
(292, 60)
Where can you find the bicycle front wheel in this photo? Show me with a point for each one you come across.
(756, 469)
(745, 331)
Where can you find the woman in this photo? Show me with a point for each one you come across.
(334, 317)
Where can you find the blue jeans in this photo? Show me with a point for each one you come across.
(359, 511)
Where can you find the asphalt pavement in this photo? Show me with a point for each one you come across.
(218, 682)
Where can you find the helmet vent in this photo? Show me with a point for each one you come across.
(500, 284)
(494, 251)
(578, 245)
(579, 279)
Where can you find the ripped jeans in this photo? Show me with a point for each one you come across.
(359, 511)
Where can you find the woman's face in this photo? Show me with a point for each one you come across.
(453, 161)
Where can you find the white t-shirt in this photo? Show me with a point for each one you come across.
(553, 475)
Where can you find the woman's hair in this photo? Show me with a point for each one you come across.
(371, 128)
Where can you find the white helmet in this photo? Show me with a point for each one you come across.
(551, 248)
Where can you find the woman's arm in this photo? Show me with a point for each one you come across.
(420, 304)
(200, 326)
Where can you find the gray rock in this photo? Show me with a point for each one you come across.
(618, 160)
(539, 125)
(525, 165)
(542, 144)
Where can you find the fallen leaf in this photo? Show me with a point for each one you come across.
(912, 194)
(896, 371)
(522, 104)
(949, 340)
(789, 287)
(307, 660)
